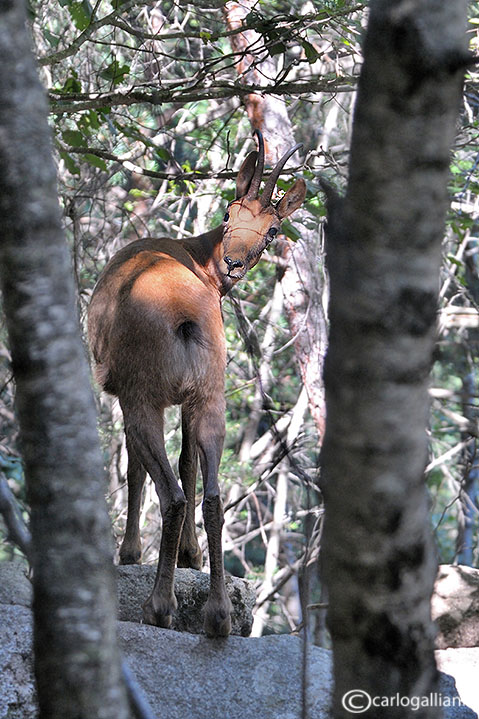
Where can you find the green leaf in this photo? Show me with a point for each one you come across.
(89, 122)
(74, 138)
(52, 39)
(310, 51)
(94, 120)
(277, 49)
(251, 19)
(70, 164)
(79, 14)
(115, 72)
(290, 231)
(136, 192)
(96, 161)
(72, 84)
(316, 206)
(163, 154)
(455, 261)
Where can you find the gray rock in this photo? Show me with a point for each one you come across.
(453, 706)
(15, 588)
(189, 675)
(186, 675)
(135, 583)
(17, 689)
(463, 664)
(455, 606)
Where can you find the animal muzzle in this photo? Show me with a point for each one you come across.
(236, 268)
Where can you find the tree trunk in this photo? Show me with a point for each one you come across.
(302, 285)
(301, 282)
(76, 663)
(383, 250)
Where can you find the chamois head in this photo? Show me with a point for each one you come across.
(252, 221)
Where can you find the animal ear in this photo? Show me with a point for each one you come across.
(293, 199)
(245, 174)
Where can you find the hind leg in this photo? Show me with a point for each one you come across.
(189, 554)
(145, 427)
(130, 550)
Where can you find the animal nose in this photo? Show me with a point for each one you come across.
(233, 264)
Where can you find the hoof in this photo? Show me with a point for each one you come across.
(159, 613)
(129, 554)
(130, 558)
(190, 557)
(217, 620)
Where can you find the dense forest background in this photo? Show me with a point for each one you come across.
(152, 106)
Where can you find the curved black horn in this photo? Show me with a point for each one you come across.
(273, 178)
(258, 173)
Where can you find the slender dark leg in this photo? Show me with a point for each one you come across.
(189, 554)
(130, 550)
(145, 427)
(211, 431)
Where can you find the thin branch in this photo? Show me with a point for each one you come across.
(18, 533)
(85, 35)
(114, 20)
(174, 176)
(139, 704)
(284, 574)
(76, 102)
(446, 456)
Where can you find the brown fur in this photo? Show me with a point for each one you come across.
(156, 334)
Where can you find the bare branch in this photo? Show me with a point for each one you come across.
(76, 102)
(174, 176)
(18, 533)
(113, 19)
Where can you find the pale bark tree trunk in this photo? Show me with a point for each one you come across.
(301, 282)
(302, 285)
(76, 663)
(266, 113)
(383, 250)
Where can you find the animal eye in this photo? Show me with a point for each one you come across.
(272, 232)
(226, 217)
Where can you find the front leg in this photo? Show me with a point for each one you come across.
(211, 430)
(218, 608)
